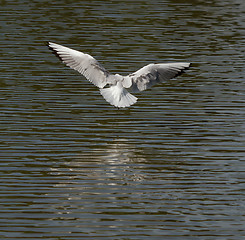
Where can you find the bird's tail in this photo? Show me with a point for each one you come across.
(118, 96)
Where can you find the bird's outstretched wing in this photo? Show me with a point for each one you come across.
(85, 64)
(152, 74)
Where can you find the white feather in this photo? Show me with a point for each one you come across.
(118, 96)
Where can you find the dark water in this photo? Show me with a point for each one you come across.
(170, 167)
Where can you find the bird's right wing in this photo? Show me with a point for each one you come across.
(85, 64)
(152, 74)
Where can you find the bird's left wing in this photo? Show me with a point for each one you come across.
(85, 64)
(152, 74)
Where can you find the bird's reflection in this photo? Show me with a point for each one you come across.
(116, 163)
(120, 159)
(101, 175)
(119, 152)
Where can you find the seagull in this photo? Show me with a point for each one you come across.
(113, 87)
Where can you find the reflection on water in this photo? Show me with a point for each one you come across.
(171, 166)
(113, 161)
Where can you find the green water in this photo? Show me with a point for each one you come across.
(170, 167)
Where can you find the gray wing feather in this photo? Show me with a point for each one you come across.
(152, 74)
(83, 63)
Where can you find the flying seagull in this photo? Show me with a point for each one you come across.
(113, 87)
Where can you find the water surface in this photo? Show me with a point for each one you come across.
(170, 167)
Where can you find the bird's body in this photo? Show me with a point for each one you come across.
(113, 87)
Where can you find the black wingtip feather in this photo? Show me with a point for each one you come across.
(183, 70)
(53, 51)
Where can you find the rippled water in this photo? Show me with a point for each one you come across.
(170, 167)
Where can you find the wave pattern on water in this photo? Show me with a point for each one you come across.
(171, 166)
